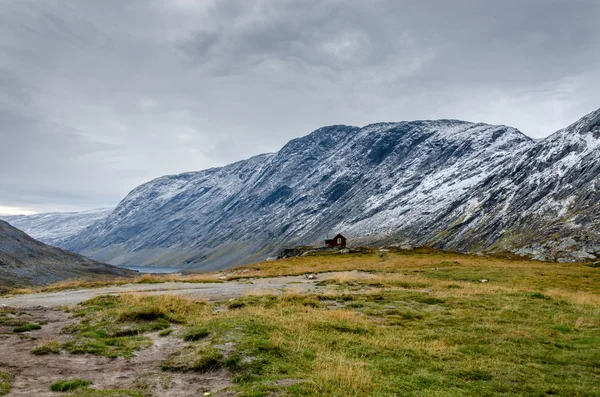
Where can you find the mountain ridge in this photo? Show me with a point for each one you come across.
(288, 193)
(447, 183)
(53, 227)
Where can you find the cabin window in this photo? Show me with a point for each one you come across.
(339, 241)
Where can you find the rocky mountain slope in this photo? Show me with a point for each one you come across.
(367, 182)
(53, 228)
(545, 203)
(25, 261)
(446, 183)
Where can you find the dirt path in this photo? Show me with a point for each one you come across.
(35, 374)
(210, 291)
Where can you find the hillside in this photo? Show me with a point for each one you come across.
(545, 203)
(448, 184)
(25, 261)
(53, 228)
(367, 182)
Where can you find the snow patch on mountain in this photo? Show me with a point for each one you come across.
(54, 228)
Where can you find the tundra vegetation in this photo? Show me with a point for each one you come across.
(414, 323)
(5, 383)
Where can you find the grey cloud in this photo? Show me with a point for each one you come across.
(99, 96)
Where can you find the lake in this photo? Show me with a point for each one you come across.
(152, 269)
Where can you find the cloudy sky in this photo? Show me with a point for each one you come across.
(97, 97)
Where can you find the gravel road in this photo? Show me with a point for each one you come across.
(209, 291)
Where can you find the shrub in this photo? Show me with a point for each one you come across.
(5, 383)
(235, 305)
(48, 348)
(144, 313)
(68, 385)
(26, 328)
(196, 334)
(209, 361)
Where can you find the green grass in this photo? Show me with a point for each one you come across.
(70, 385)
(196, 334)
(26, 328)
(109, 328)
(417, 324)
(201, 360)
(46, 349)
(5, 383)
(166, 332)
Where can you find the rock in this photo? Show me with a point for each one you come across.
(485, 280)
(311, 277)
(344, 251)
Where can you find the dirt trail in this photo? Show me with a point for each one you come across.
(210, 291)
(33, 375)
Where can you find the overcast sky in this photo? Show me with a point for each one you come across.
(98, 96)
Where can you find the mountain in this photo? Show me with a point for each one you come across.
(545, 203)
(446, 183)
(25, 261)
(53, 228)
(403, 181)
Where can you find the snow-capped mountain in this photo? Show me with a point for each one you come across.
(373, 182)
(53, 228)
(447, 183)
(546, 202)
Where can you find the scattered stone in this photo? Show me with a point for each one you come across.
(311, 277)
(485, 280)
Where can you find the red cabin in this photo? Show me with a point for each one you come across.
(337, 241)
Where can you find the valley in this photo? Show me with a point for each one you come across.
(448, 184)
(336, 198)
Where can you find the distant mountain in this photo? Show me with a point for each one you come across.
(25, 261)
(53, 228)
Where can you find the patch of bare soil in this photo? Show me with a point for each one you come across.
(33, 375)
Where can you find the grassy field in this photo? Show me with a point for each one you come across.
(414, 323)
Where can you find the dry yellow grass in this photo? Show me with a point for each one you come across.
(143, 279)
(416, 324)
